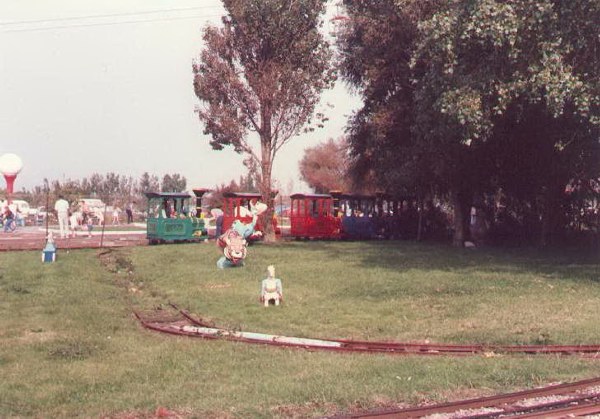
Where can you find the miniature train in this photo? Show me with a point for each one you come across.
(351, 216)
(333, 216)
(170, 218)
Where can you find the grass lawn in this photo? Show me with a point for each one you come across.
(69, 345)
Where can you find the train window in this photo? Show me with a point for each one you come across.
(314, 208)
(327, 209)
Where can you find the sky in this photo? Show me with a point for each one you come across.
(95, 87)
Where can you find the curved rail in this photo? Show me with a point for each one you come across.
(188, 325)
(557, 401)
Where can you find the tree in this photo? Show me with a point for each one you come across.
(96, 181)
(263, 72)
(446, 83)
(173, 183)
(477, 61)
(148, 183)
(110, 188)
(215, 198)
(324, 167)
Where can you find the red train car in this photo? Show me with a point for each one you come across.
(312, 216)
(238, 206)
(348, 216)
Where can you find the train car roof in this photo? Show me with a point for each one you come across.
(199, 192)
(342, 195)
(377, 195)
(167, 195)
(310, 196)
(247, 195)
(359, 197)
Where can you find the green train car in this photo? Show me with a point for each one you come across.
(172, 217)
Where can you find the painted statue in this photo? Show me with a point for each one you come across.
(234, 241)
(234, 249)
(271, 289)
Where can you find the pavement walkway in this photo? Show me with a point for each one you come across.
(34, 238)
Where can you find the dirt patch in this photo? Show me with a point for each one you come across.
(116, 261)
(72, 350)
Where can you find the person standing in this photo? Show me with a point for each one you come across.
(129, 211)
(100, 216)
(9, 218)
(85, 211)
(116, 212)
(62, 212)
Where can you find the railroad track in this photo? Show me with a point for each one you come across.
(181, 322)
(578, 399)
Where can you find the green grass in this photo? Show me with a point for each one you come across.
(69, 345)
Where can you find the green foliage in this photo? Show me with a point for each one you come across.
(450, 87)
(324, 167)
(112, 188)
(149, 183)
(473, 59)
(173, 183)
(375, 46)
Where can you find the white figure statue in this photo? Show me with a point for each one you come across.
(271, 288)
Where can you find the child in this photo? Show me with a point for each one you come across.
(90, 225)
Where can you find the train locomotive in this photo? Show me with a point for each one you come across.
(171, 218)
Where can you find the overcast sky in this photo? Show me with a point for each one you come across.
(85, 90)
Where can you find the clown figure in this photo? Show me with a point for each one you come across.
(235, 239)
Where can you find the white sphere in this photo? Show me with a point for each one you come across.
(10, 164)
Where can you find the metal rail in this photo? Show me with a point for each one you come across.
(562, 400)
(197, 327)
(571, 401)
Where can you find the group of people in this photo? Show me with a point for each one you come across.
(117, 212)
(70, 220)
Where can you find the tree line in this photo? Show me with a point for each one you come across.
(112, 188)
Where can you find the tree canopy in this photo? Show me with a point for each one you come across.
(324, 167)
(461, 94)
(173, 183)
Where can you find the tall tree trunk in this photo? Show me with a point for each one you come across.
(420, 222)
(461, 204)
(265, 181)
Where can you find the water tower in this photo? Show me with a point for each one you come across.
(10, 166)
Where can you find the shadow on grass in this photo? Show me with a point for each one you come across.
(404, 256)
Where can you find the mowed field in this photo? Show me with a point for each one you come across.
(70, 346)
